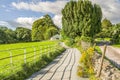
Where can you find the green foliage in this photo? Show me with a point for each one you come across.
(86, 61)
(3, 37)
(81, 18)
(116, 45)
(23, 34)
(50, 32)
(19, 35)
(107, 29)
(116, 34)
(69, 41)
(43, 29)
(11, 36)
(7, 35)
(87, 39)
(106, 24)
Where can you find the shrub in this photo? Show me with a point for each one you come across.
(87, 63)
(69, 41)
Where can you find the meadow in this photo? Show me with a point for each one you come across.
(14, 56)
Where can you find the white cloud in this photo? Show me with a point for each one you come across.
(6, 24)
(110, 9)
(45, 7)
(26, 21)
(57, 20)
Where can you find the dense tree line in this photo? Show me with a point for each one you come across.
(116, 33)
(11, 36)
(43, 29)
(81, 18)
(110, 30)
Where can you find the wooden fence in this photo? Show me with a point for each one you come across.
(23, 58)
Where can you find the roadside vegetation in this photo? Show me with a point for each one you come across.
(82, 28)
(116, 45)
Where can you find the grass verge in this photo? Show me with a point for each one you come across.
(116, 45)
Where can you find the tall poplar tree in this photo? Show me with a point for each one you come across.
(81, 18)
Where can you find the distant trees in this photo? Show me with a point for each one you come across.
(23, 34)
(81, 18)
(116, 33)
(106, 24)
(19, 35)
(7, 35)
(43, 29)
(2, 36)
(106, 29)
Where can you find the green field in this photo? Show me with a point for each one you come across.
(116, 45)
(23, 53)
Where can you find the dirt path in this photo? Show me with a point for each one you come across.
(64, 67)
(113, 54)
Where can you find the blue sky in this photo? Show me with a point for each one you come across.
(14, 13)
(8, 12)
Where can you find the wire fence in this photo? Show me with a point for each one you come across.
(13, 62)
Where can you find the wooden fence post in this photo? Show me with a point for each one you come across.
(25, 56)
(101, 64)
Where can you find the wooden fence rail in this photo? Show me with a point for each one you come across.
(35, 53)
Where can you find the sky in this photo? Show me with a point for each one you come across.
(22, 13)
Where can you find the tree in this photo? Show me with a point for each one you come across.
(81, 18)
(107, 29)
(106, 24)
(23, 34)
(3, 36)
(50, 32)
(8, 34)
(11, 36)
(116, 34)
(42, 27)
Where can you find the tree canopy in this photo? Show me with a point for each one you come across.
(116, 33)
(106, 24)
(12, 36)
(107, 29)
(81, 18)
(23, 34)
(43, 29)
